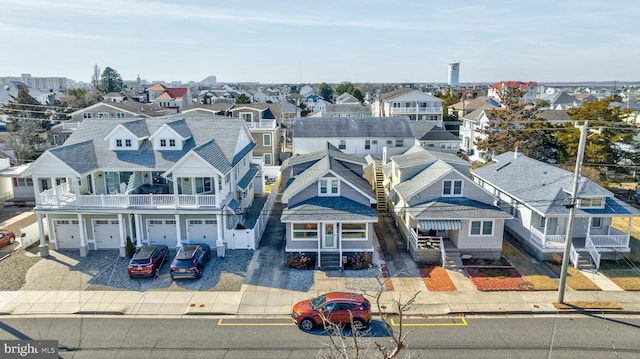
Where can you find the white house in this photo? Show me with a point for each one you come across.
(166, 180)
(414, 104)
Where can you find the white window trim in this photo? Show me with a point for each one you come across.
(241, 115)
(482, 222)
(599, 224)
(345, 239)
(266, 136)
(589, 199)
(452, 188)
(264, 159)
(307, 239)
(329, 181)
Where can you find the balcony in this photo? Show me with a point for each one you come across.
(416, 110)
(63, 198)
(262, 124)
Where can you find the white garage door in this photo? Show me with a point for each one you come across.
(202, 231)
(67, 233)
(106, 233)
(162, 231)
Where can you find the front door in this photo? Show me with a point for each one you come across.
(329, 237)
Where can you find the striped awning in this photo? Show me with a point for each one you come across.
(440, 224)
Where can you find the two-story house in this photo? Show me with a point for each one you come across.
(329, 214)
(538, 196)
(411, 103)
(439, 209)
(359, 136)
(168, 180)
(169, 97)
(264, 128)
(530, 90)
(435, 138)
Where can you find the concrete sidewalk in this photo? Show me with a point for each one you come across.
(278, 302)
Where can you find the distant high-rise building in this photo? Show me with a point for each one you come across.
(40, 83)
(454, 73)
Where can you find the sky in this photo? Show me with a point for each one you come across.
(301, 41)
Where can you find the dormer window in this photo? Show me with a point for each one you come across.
(329, 187)
(591, 202)
(172, 143)
(120, 142)
(452, 188)
(246, 116)
(163, 142)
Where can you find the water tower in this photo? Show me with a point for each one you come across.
(454, 73)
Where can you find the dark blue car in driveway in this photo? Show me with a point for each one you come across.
(190, 261)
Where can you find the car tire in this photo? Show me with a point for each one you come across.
(307, 324)
(12, 239)
(359, 324)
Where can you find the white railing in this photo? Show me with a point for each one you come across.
(616, 239)
(418, 110)
(262, 124)
(424, 242)
(443, 254)
(595, 255)
(48, 199)
(574, 256)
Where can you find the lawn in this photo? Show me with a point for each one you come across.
(575, 279)
(534, 275)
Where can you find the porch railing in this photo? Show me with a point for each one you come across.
(593, 252)
(425, 242)
(418, 110)
(50, 200)
(615, 239)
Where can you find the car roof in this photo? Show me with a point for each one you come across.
(187, 251)
(344, 296)
(145, 251)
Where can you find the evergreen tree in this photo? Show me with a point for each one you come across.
(110, 81)
(27, 120)
(243, 99)
(326, 91)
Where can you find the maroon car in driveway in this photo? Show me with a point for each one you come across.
(7, 237)
(148, 260)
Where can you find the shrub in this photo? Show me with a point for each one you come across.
(358, 261)
(300, 261)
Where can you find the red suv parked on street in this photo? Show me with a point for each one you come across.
(336, 307)
(147, 261)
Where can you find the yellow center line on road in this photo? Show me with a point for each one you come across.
(463, 322)
(221, 324)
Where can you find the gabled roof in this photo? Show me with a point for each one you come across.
(250, 106)
(342, 127)
(554, 116)
(398, 93)
(545, 188)
(319, 169)
(214, 138)
(519, 84)
(419, 155)
(157, 87)
(128, 107)
(137, 128)
(327, 149)
(427, 131)
(181, 128)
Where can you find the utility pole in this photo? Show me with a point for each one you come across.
(572, 211)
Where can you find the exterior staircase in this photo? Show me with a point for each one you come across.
(381, 198)
(330, 260)
(584, 261)
(453, 261)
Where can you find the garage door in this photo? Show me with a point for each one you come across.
(162, 231)
(67, 233)
(106, 233)
(202, 231)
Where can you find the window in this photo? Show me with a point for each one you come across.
(267, 159)
(354, 231)
(367, 144)
(266, 139)
(305, 231)
(119, 114)
(399, 143)
(86, 115)
(389, 142)
(396, 105)
(246, 116)
(227, 178)
(596, 222)
(56, 139)
(342, 145)
(172, 143)
(329, 187)
(592, 202)
(118, 143)
(219, 183)
(103, 115)
(452, 188)
(203, 184)
(163, 143)
(481, 228)
(127, 143)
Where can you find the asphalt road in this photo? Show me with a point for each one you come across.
(208, 337)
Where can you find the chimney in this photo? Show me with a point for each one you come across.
(517, 153)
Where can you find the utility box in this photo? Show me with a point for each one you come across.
(220, 246)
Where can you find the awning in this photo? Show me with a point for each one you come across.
(440, 224)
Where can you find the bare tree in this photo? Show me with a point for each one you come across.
(350, 344)
(95, 78)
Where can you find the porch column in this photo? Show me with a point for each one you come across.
(589, 227)
(44, 247)
(178, 234)
(336, 236)
(176, 195)
(36, 189)
(544, 233)
(628, 232)
(55, 190)
(138, 220)
(216, 191)
(320, 230)
(219, 226)
(83, 239)
(122, 239)
(75, 182)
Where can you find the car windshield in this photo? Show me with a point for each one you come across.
(318, 301)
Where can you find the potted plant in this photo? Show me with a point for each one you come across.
(129, 248)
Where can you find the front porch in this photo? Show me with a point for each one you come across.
(613, 240)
